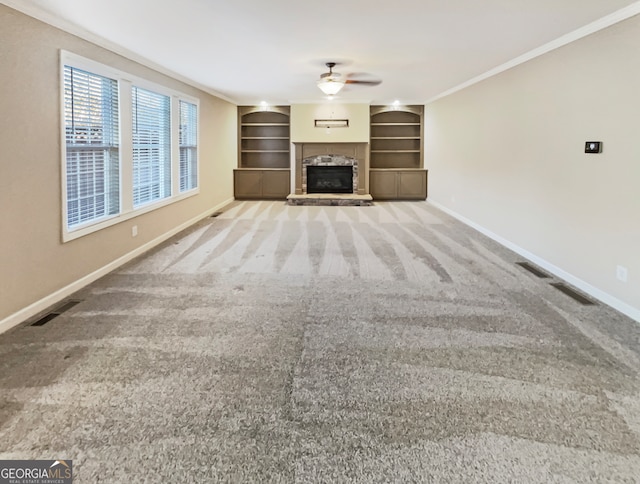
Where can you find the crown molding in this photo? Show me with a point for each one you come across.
(591, 28)
(71, 28)
(47, 17)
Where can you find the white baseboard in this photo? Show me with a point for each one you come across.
(48, 301)
(608, 299)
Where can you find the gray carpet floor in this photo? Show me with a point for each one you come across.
(326, 344)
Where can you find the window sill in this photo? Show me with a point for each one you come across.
(81, 231)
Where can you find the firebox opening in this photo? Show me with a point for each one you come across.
(329, 179)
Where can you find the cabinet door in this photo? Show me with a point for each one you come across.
(383, 184)
(412, 185)
(247, 183)
(276, 184)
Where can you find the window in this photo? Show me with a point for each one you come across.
(129, 146)
(91, 139)
(188, 146)
(151, 146)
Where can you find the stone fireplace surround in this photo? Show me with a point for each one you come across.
(332, 154)
(330, 160)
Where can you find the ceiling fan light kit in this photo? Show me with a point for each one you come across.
(331, 82)
(330, 87)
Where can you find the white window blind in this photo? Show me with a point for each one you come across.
(151, 146)
(188, 146)
(92, 154)
(104, 184)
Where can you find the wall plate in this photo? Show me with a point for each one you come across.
(593, 147)
(331, 123)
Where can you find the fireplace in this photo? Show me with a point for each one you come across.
(329, 179)
(341, 162)
(322, 171)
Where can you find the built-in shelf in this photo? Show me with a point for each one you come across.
(265, 124)
(395, 124)
(395, 137)
(263, 152)
(264, 137)
(396, 150)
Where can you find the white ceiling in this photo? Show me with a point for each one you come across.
(275, 50)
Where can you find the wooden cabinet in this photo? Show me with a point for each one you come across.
(251, 183)
(396, 159)
(263, 152)
(398, 184)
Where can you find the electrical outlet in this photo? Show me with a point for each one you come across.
(621, 273)
(134, 231)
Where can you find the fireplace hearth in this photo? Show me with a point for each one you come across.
(329, 179)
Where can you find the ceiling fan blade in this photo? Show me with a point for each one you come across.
(365, 83)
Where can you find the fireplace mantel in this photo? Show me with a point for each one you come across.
(358, 151)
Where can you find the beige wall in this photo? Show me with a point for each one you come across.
(33, 261)
(303, 128)
(508, 154)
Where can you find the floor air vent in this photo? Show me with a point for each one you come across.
(44, 319)
(562, 287)
(65, 306)
(533, 269)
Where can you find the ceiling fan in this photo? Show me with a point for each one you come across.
(331, 82)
